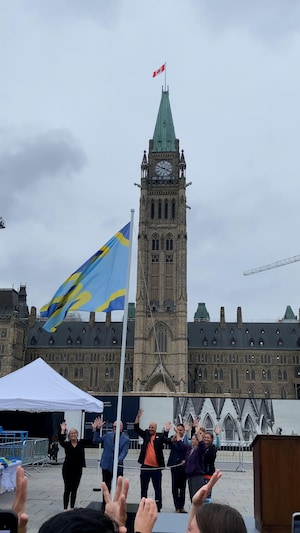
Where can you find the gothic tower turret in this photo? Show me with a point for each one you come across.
(160, 346)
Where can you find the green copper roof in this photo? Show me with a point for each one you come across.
(164, 139)
(201, 314)
(289, 314)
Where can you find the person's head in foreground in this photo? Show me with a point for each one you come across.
(81, 520)
(217, 518)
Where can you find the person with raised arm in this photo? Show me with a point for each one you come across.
(176, 463)
(108, 441)
(73, 463)
(151, 457)
(216, 517)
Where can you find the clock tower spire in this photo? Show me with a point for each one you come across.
(160, 346)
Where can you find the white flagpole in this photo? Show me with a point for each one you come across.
(122, 364)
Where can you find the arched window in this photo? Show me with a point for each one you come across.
(285, 375)
(166, 209)
(173, 209)
(76, 373)
(229, 429)
(169, 244)
(159, 209)
(253, 375)
(247, 375)
(81, 372)
(161, 339)
(208, 423)
(152, 210)
(248, 430)
(279, 375)
(269, 375)
(155, 243)
(283, 394)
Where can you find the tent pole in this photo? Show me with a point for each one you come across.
(82, 424)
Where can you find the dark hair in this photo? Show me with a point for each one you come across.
(81, 520)
(180, 425)
(219, 518)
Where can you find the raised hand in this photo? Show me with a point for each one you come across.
(116, 508)
(187, 427)
(167, 428)
(196, 422)
(146, 516)
(20, 500)
(98, 423)
(63, 427)
(202, 493)
(217, 430)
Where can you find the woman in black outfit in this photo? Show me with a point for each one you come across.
(73, 463)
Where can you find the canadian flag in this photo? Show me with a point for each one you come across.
(159, 71)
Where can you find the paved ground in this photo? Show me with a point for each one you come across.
(45, 488)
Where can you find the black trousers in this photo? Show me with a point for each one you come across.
(71, 479)
(178, 486)
(107, 476)
(147, 473)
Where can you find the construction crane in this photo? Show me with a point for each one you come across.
(283, 262)
(2, 223)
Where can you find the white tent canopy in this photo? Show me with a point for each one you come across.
(37, 387)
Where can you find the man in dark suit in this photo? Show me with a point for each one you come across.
(151, 457)
(108, 441)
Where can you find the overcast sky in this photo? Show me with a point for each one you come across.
(79, 105)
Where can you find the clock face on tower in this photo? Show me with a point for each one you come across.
(163, 169)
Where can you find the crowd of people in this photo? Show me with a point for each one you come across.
(191, 461)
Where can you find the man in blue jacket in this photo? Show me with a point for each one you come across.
(108, 441)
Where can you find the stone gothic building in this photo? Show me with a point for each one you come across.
(165, 355)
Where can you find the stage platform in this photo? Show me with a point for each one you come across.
(168, 522)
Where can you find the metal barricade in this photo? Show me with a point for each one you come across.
(31, 452)
(234, 455)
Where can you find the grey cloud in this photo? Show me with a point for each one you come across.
(28, 161)
(61, 10)
(268, 19)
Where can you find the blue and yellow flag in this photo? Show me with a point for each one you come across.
(98, 285)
